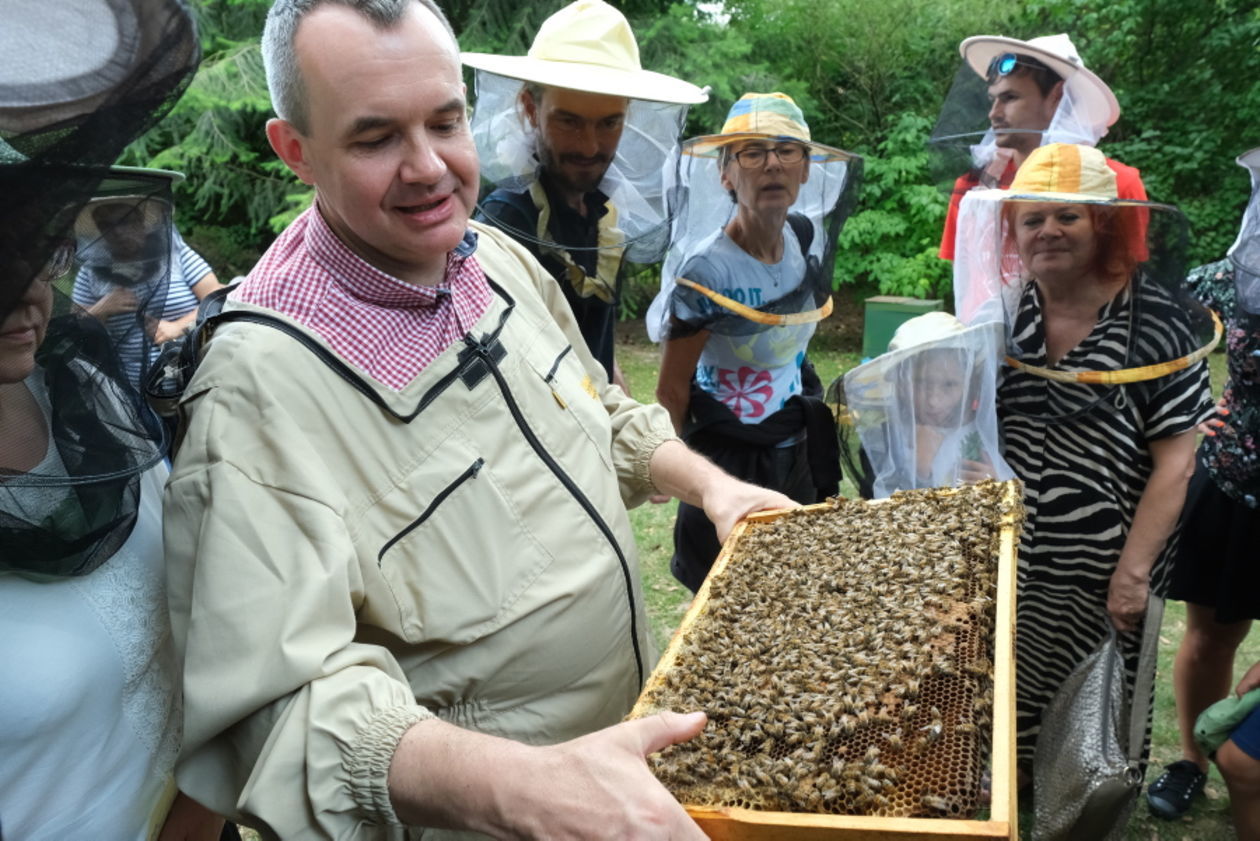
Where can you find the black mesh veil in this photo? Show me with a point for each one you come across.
(968, 149)
(701, 208)
(72, 229)
(1152, 329)
(58, 133)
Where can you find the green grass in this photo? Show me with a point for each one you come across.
(666, 601)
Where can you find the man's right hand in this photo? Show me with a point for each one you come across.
(596, 786)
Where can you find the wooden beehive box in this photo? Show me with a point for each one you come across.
(916, 731)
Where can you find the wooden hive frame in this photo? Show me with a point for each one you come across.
(737, 824)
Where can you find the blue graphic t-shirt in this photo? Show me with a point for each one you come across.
(754, 372)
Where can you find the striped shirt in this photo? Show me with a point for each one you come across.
(133, 342)
(385, 327)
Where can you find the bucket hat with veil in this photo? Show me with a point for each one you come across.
(587, 46)
(1158, 328)
(701, 207)
(78, 82)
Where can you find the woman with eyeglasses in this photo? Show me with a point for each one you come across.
(747, 279)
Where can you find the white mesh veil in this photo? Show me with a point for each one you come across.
(506, 148)
(926, 415)
(701, 206)
(1245, 252)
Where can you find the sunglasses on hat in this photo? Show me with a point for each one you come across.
(1004, 64)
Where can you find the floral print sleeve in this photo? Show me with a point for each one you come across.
(1232, 456)
(1213, 285)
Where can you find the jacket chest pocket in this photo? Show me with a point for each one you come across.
(575, 398)
(461, 564)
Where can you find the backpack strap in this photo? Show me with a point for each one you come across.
(804, 230)
(166, 383)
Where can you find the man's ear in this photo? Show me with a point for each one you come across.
(290, 146)
(529, 107)
(805, 167)
(1053, 98)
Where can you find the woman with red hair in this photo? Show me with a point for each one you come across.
(1098, 404)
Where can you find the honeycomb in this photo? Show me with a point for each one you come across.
(844, 657)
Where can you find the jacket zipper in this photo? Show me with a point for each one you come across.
(469, 473)
(482, 351)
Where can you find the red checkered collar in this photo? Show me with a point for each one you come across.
(369, 284)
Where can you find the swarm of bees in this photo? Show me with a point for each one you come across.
(844, 658)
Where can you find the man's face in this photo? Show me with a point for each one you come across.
(388, 146)
(1017, 103)
(578, 133)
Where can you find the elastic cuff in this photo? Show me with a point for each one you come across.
(643, 459)
(368, 763)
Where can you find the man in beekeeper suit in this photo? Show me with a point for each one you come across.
(574, 138)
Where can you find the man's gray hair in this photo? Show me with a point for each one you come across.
(284, 80)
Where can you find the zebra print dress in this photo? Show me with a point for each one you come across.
(1084, 472)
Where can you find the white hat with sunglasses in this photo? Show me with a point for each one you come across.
(1093, 100)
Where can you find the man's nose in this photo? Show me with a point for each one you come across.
(995, 111)
(422, 163)
(587, 140)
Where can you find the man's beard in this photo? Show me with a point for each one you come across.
(564, 173)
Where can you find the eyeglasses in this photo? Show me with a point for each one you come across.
(754, 157)
(61, 261)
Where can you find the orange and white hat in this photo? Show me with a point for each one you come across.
(769, 116)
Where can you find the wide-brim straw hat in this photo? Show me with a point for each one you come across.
(589, 46)
(764, 116)
(1093, 99)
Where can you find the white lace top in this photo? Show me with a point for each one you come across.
(89, 708)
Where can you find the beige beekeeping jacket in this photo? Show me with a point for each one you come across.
(346, 560)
